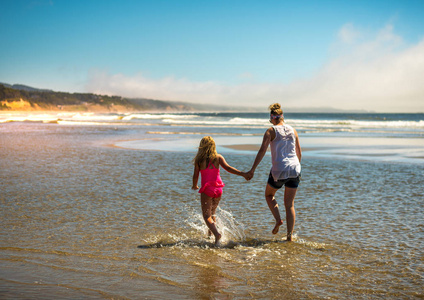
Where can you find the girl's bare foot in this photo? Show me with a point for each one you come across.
(217, 239)
(277, 226)
(289, 237)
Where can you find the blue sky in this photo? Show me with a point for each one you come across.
(343, 54)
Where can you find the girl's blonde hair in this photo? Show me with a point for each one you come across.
(206, 151)
(276, 109)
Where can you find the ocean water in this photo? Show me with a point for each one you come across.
(99, 206)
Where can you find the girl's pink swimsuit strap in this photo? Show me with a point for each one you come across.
(211, 181)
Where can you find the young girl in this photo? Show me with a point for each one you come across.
(207, 162)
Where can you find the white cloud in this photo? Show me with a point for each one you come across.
(380, 74)
(348, 34)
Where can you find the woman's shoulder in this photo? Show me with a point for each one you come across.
(271, 130)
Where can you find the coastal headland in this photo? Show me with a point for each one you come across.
(24, 98)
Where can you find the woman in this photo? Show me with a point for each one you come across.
(286, 156)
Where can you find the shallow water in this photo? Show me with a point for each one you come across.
(82, 219)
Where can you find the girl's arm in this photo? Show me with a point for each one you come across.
(298, 149)
(229, 168)
(195, 177)
(261, 153)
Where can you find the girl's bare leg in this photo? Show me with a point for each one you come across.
(273, 206)
(207, 208)
(215, 203)
(289, 195)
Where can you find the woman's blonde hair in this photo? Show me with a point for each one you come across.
(206, 151)
(276, 109)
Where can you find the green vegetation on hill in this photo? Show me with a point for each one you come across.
(10, 99)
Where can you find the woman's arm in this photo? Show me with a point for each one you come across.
(195, 177)
(298, 149)
(261, 153)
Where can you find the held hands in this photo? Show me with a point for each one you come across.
(194, 187)
(244, 174)
(248, 175)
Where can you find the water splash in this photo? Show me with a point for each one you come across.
(229, 227)
(231, 230)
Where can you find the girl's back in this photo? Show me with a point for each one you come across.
(204, 164)
(209, 172)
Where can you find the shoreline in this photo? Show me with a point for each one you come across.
(337, 149)
(95, 108)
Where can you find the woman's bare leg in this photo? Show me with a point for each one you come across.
(289, 195)
(207, 205)
(273, 206)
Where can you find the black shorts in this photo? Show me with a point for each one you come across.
(289, 182)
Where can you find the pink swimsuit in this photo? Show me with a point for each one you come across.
(211, 182)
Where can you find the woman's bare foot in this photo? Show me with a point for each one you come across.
(277, 227)
(217, 239)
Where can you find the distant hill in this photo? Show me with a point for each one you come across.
(24, 88)
(20, 97)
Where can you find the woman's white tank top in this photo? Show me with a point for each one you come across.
(285, 163)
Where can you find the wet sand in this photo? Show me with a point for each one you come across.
(84, 220)
(383, 149)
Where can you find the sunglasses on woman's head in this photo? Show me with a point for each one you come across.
(273, 117)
